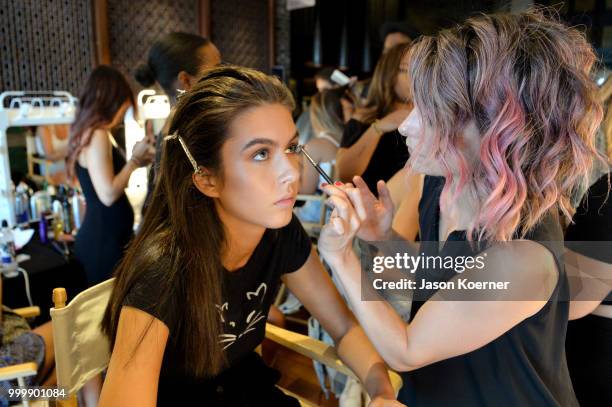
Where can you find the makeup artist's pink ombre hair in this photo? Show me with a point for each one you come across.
(524, 80)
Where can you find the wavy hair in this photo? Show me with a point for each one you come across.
(523, 79)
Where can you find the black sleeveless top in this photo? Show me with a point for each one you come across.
(526, 366)
(106, 230)
(389, 157)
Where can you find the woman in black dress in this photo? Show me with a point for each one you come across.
(507, 141)
(101, 168)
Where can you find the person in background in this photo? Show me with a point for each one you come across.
(371, 145)
(323, 79)
(52, 145)
(100, 165)
(323, 82)
(391, 34)
(174, 62)
(394, 33)
(21, 344)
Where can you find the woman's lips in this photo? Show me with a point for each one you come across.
(287, 201)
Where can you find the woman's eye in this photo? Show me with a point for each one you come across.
(261, 155)
(293, 149)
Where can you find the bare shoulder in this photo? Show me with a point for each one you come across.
(99, 145)
(100, 137)
(528, 264)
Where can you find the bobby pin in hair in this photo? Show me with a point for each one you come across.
(180, 93)
(196, 167)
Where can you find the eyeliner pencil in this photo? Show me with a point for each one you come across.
(316, 166)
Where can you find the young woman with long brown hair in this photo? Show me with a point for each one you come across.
(192, 293)
(103, 173)
(505, 115)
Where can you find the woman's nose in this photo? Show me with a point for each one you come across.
(289, 168)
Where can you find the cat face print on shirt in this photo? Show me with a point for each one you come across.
(236, 329)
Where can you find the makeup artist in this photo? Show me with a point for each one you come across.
(511, 152)
(371, 146)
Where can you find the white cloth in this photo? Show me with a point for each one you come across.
(81, 350)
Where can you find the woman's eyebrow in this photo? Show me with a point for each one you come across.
(267, 141)
(255, 141)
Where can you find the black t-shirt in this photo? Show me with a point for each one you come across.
(248, 294)
(389, 157)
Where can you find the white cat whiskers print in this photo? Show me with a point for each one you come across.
(256, 315)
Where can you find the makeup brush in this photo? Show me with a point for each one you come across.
(301, 149)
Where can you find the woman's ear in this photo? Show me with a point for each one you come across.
(206, 183)
(185, 80)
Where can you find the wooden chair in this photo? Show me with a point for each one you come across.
(319, 351)
(82, 351)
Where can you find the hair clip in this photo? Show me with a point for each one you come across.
(196, 167)
(180, 93)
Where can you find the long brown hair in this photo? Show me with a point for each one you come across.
(105, 91)
(382, 96)
(181, 236)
